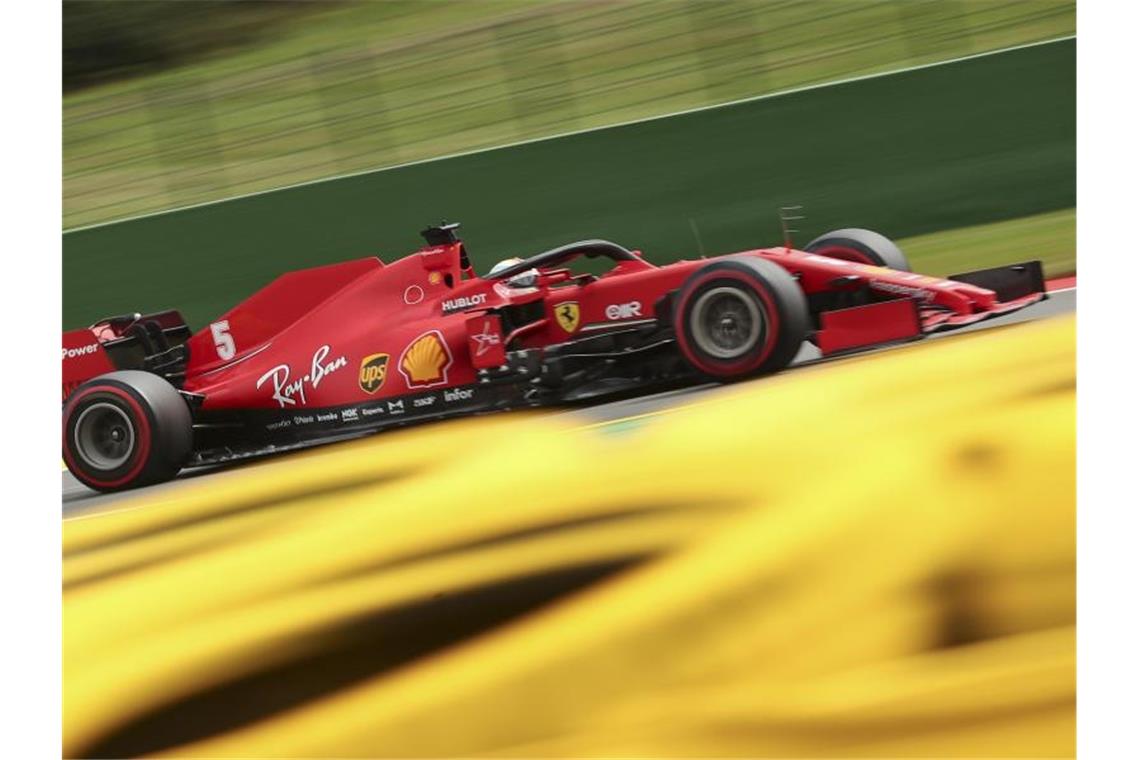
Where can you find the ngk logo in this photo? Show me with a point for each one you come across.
(71, 353)
(623, 310)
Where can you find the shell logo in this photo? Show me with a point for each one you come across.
(426, 360)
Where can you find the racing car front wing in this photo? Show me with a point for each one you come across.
(911, 317)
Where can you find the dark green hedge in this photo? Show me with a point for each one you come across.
(111, 39)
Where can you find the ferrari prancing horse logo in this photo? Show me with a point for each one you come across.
(567, 315)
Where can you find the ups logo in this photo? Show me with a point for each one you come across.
(373, 372)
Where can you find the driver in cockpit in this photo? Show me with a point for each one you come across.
(526, 279)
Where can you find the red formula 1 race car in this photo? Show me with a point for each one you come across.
(351, 348)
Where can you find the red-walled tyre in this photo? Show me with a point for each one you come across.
(126, 429)
(740, 316)
(863, 246)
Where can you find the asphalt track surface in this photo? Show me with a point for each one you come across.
(78, 500)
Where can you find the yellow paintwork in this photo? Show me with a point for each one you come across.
(800, 548)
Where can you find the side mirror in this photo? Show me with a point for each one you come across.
(441, 234)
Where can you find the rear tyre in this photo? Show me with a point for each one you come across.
(126, 429)
(740, 316)
(863, 246)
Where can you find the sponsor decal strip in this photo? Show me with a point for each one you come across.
(373, 372)
(426, 360)
(629, 310)
(458, 394)
(486, 339)
(288, 392)
(902, 290)
(464, 302)
(72, 353)
(335, 417)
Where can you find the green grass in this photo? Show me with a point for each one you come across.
(363, 85)
(1051, 237)
(947, 147)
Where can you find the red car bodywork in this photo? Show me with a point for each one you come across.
(356, 346)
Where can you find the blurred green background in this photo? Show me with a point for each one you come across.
(298, 92)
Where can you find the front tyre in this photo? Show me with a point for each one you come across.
(126, 429)
(740, 316)
(862, 246)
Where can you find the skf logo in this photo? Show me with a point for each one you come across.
(426, 360)
(567, 315)
(623, 310)
(373, 372)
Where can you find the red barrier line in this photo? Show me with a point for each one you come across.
(1061, 283)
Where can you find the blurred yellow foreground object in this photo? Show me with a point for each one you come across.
(873, 557)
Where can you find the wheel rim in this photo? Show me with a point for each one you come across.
(104, 436)
(726, 323)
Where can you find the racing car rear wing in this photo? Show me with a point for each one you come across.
(152, 342)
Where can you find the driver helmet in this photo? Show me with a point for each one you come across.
(526, 279)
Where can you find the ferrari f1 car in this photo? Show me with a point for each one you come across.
(337, 351)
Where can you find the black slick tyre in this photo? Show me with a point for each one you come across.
(862, 246)
(126, 429)
(740, 316)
